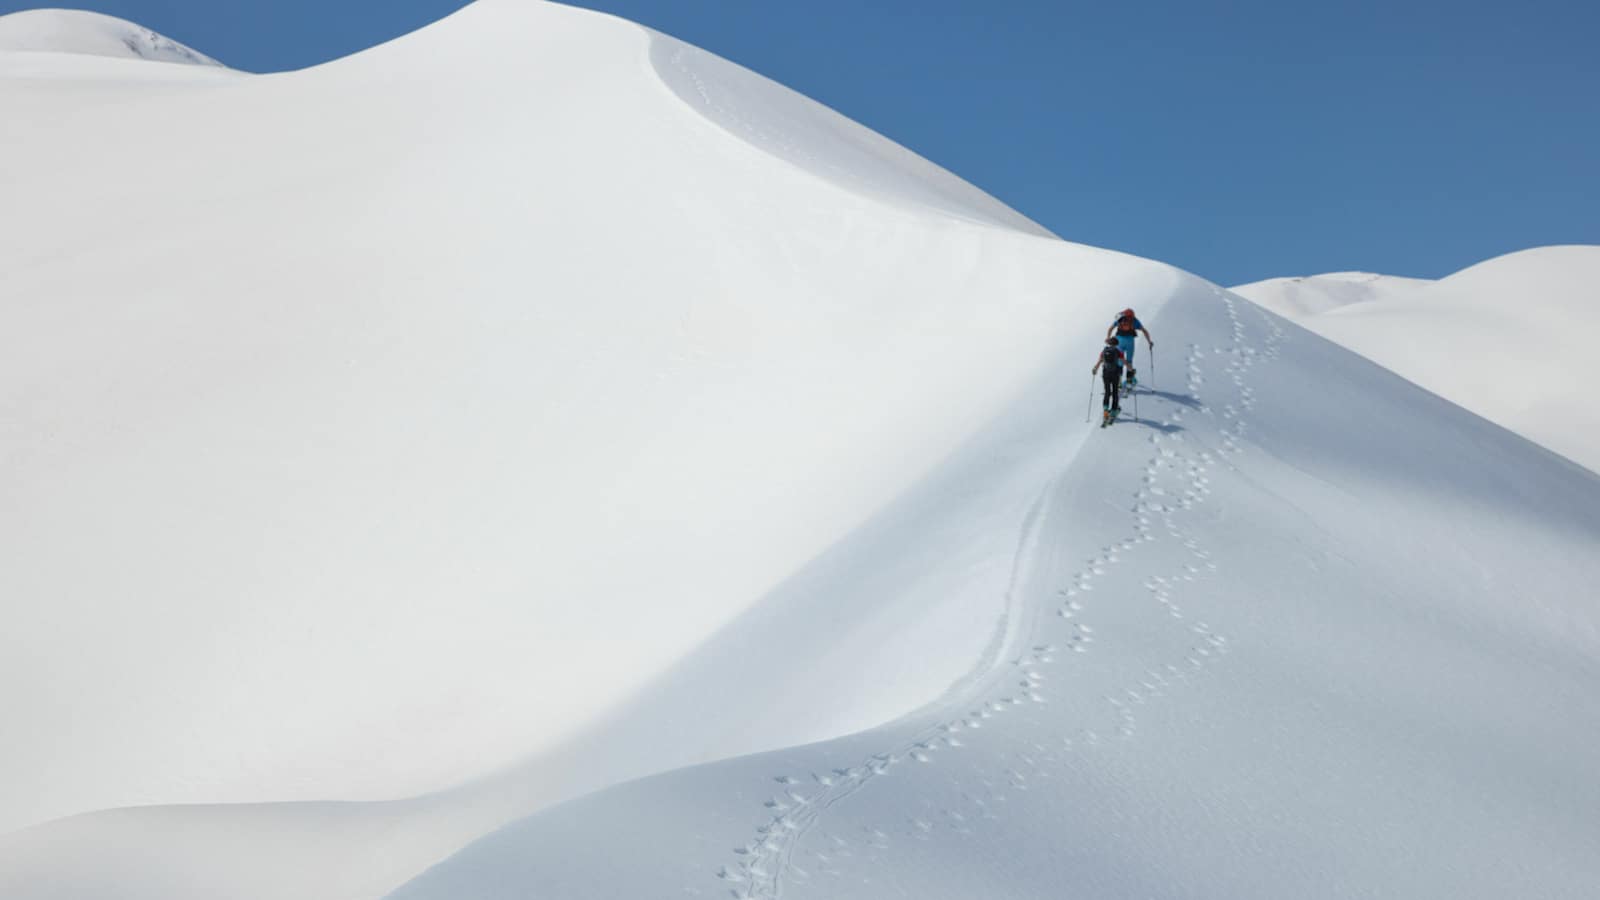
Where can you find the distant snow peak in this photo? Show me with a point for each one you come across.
(1307, 295)
(147, 44)
(1424, 330)
(91, 34)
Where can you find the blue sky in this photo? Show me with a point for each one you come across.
(1239, 140)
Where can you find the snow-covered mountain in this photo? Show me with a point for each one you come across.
(527, 351)
(1507, 338)
(535, 457)
(76, 31)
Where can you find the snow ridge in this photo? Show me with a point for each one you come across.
(814, 138)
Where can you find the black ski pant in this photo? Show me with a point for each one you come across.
(1110, 379)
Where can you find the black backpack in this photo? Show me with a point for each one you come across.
(1112, 357)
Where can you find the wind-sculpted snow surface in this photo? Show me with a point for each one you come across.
(1259, 643)
(1508, 338)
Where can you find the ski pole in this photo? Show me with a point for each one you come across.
(1136, 394)
(1152, 365)
(1091, 399)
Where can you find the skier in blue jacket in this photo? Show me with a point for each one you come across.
(1126, 327)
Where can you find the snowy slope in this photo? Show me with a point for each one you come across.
(407, 455)
(1257, 649)
(91, 34)
(426, 406)
(1507, 338)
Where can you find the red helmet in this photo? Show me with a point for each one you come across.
(1126, 312)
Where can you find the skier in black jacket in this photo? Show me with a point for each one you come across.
(1111, 359)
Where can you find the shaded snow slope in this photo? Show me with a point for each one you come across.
(424, 407)
(1305, 625)
(873, 615)
(1507, 338)
(91, 34)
